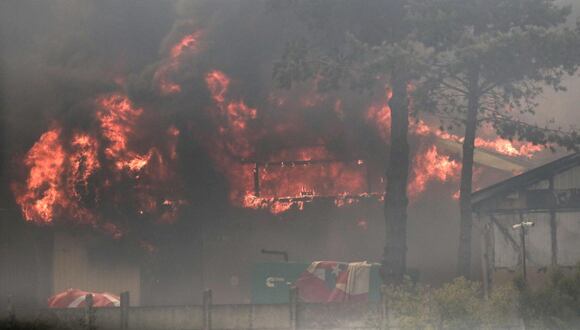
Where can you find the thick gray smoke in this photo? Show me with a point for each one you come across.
(58, 56)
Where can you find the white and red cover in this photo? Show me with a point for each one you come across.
(330, 281)
(73, 298)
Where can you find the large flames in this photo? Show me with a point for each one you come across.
(43, 187)
(171, 65)
(73, 174)
(68, 180)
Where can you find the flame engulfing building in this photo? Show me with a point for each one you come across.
(548, 196)
(188, 151)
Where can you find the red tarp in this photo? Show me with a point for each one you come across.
(73, 298)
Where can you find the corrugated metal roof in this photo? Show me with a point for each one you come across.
(525, 179)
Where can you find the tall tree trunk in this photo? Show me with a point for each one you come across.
(466, 186)
(394, 258)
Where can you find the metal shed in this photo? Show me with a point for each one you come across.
(548, 196)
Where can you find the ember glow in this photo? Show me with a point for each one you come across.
(163, 76)
(217, 83)
(188, 43)
(311, 174)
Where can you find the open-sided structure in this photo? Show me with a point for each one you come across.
(548, 196)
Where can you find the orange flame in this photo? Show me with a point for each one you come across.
(118, 117)
(188, 43)
(43, 193)
(59, 184)
(430, 166)
(499, 145)
(217, 83)
(84, 163)
(162, 76)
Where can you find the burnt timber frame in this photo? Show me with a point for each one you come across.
(259, 165)
(549, 201)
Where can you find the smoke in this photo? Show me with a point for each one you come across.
(175, 101)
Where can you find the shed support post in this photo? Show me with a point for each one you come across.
(553, 238)
(385, 324)
(89, 312)
(10, 310)
(553, 229)
(257, 180)
(207, 303)
(486, 255)
(293, 308)
(125, 303)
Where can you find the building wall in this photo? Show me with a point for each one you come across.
(569, 179)
(74, 268)
(553, 240)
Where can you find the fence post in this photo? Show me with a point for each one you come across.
(207, 302)
(384, 308)
(10, 309)
(89, 312)
(124, 308)
(293, 308)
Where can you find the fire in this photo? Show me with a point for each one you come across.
(43, 194)
(508, 148)
(217, 83)
(118, 117)
(231, 118)
(84, 163)
(172, 137)
(430, 166)
(429, 163)
(189, 44)
(61, 172)
(57, 185)
(498, 145)
(236, 113)
(285, 179)
(62, 169)
(311, 174)
(380, 117)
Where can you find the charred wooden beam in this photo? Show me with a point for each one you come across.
(293, 163)
(553, 229)
(257, 180)
(309, 198)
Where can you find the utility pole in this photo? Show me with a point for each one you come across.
(522, 227)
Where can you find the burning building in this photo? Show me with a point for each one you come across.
(171, 139)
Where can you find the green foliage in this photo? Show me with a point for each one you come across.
(456, 305)
(501, 308)
(410, 303)
(554, 306)
(513, 47)
(348, 45)
(460, 304)
(33, 325)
